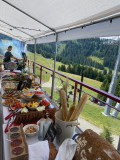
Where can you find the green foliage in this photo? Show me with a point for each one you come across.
(62, 68)
(23, 65)
(104, 71)
(106, 134)
(88, 72)
(117, 90)
(105, 87)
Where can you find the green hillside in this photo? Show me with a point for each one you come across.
(95, 52)
(44, 61)
(50, 63)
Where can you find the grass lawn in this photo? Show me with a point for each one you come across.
(93, 114)
(44, 61)
(99, 60)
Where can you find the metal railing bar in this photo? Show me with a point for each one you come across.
(101, 101)
(111, 96)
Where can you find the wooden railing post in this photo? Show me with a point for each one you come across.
(33, 67)
(41, 77)
(28, 66)
(80, 88)
(75, 91)
(52, 86)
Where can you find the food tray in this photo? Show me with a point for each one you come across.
(4, 97)
(10, 86)
(24, 154)
(16, 96)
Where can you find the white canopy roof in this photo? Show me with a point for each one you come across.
(29, 19)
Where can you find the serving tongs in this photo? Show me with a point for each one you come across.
(9, 124)
(13, 114)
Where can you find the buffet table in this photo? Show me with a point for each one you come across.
(29, 140)
(6, 150)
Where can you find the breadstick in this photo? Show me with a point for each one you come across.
(64, 104)
(79, 108)
(70, 112)
(61, 98)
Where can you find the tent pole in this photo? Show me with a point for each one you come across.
(34, 57)
(53, 79)
(25, 47)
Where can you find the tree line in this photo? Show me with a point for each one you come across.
(88, 72)
(79, 51)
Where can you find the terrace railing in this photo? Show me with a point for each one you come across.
(75, 84)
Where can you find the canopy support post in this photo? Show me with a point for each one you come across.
(53, 79)
(112, 86)
(25, 47)
(34, 56)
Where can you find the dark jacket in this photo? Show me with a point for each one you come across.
(7, 56)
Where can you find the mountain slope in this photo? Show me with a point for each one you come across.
(97, 53)
(82, 50)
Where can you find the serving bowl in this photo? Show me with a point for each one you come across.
(32, 106)
(29, 94)
(31, 134)
(39, 94)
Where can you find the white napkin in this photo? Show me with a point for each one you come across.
(66, 150)
(39, 151)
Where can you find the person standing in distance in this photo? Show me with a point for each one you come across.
(8, 55)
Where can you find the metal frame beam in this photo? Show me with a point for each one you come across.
(12, 36)
(52, 29)
(110, 18)
(16, 28)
